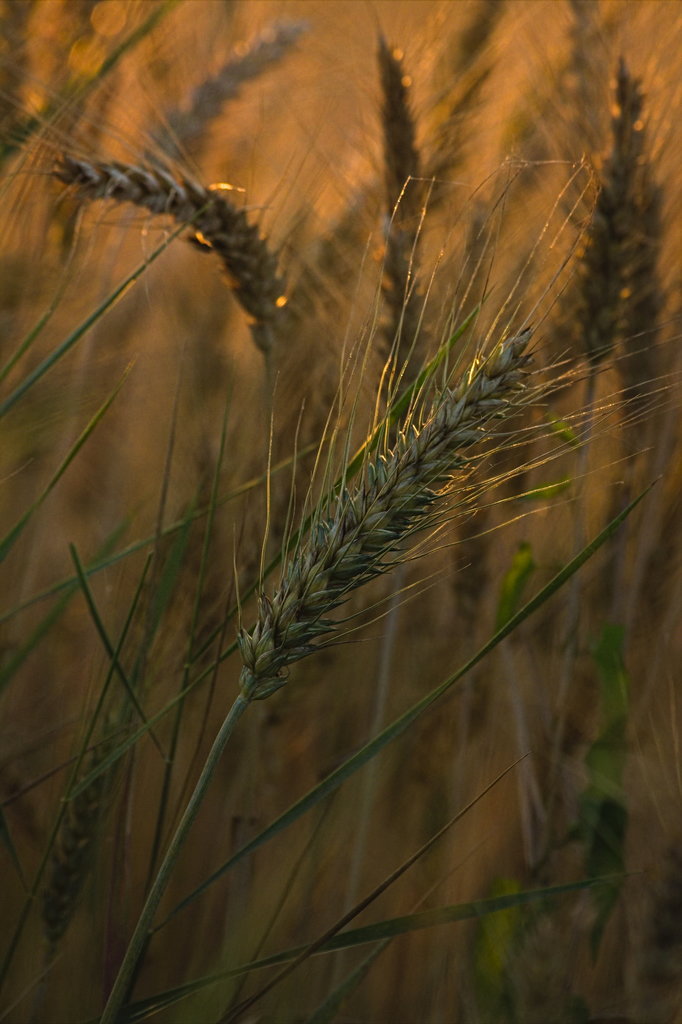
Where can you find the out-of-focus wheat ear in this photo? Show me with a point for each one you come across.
(466, 65)
(359, 537)
(656, 995)
(605, 266)
(218, 224)
(73, 851)
(404, 201)
(643, 298)
(186, 129)
(586, 76)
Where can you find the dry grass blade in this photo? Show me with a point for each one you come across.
(218, 223)
(393, 500)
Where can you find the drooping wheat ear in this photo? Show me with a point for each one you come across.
(606, 268)
(359, 537)
(657, 988)
(187, 127)
(73, 849)
(218, 223)
(403, 202)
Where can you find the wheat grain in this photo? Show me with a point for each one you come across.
(393, 499)
(218, 223)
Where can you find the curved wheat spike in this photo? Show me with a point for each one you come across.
(218, 224)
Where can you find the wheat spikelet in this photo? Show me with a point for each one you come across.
(605, 269)
(251, 267)
(351, 545)
(186, 127)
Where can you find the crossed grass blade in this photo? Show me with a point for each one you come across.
(381, 930)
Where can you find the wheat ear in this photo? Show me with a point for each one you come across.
(73, 849)
(607, 263)
(403, 199)
(393, 499)
(218, 223)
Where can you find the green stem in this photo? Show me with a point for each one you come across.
(119, 991)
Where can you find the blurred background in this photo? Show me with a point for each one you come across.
(137, 437)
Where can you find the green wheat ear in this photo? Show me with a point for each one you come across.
(395, 498)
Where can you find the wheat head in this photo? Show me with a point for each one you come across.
(217, 222)
(394, 499)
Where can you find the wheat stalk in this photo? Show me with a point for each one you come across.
(393, 499)
(218, 224)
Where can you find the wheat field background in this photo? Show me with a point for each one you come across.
(376, 195)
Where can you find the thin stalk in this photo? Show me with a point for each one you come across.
(138, 941)
(369, 790)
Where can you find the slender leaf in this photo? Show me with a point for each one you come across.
(14, 534)
(53, 358)
(546, 491)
